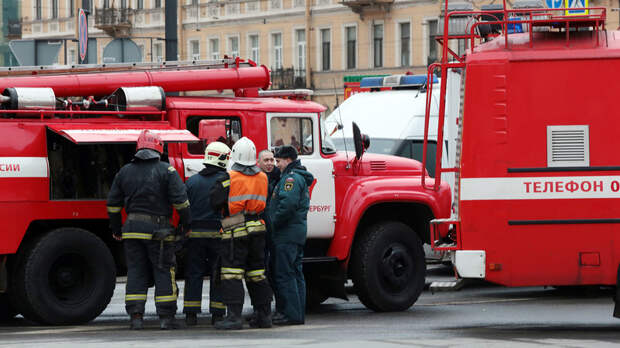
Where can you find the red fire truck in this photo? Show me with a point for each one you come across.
(537, 171)
(65, 135)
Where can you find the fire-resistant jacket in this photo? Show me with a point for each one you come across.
(146, 186)
(204, 217)
(289, 204)
(241, 192)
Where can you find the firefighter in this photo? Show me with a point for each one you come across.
(204, 239)
(288, 210)
(147, 187)
(242, 195)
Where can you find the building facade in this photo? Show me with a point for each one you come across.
(312, 44)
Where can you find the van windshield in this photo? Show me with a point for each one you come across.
(381, 146)
(398, 147)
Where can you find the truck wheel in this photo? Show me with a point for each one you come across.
(388, 267)
(68, 277)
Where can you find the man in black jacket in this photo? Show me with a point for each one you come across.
(203, 246)
(147, 188)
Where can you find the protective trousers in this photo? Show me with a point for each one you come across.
(202, 259)
(143, 263)
(290, 285)
(243, 256)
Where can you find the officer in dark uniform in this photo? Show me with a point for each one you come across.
(288, 209)
(147, 188)
(203, 246)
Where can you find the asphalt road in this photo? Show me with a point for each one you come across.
(478, 315)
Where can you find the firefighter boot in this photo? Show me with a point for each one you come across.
(233, 320)
(262, 317)
(136, 322)
(191, 319)
(166, 322)
(216, 319)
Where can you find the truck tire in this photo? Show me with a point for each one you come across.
(388, 267)
(68, 277)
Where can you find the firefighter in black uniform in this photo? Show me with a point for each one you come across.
(147, 188)
(242, 195)
(204, 239)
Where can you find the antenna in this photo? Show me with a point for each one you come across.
(340, 125)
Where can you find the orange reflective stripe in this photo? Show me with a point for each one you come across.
(248, 193)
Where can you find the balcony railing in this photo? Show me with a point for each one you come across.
(288, 78)
(116, 22)
(361, 6)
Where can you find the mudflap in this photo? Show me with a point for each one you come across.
(617, 296)
(327, 273)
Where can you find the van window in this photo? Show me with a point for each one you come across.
(418, 146)
(294, 131)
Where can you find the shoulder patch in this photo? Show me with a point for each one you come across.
(289, 179)
(288, 186)
(171, 169)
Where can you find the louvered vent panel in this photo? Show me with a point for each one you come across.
(568, 146)
(378, 165)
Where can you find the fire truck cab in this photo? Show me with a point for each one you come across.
(65, 135)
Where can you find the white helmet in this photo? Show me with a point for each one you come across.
(243, 152)
(217, 154)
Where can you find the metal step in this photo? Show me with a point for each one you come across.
(453, 285)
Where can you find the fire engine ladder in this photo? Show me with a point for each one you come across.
(123, 67)
(505, 22)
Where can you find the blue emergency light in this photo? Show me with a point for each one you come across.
(395, 81)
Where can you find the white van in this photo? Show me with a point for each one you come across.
(394, 121)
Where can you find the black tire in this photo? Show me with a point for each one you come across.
(388, 267)
(68, 277)
(7, 312)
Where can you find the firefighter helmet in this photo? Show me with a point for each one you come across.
(244, 152)
(217, 154)
(150, 140)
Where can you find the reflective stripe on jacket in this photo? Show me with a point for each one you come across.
(248, 193)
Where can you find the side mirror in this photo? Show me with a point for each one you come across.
(361, 141)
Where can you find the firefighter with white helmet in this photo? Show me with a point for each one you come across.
(203, 245)
(147, 188)
(242, 195)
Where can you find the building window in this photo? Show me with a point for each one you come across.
(463, 45)
(299, 3)
(252, 6)
(194, 49)
(158, 54)
(37, 9)
(140, 4)
(106, 3)
(300, 37)
(123, 3)
(233, 8)
(54, 13)
(351, 47)
(71, 8)
(157, 3)
(233, 46)
(141, 49)
(275, 4)
(214, 46)
(432, 44)
(325, 49)
(254, 48)
(72, 56)
(377, 48)
(276, 40)
(405, 36)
